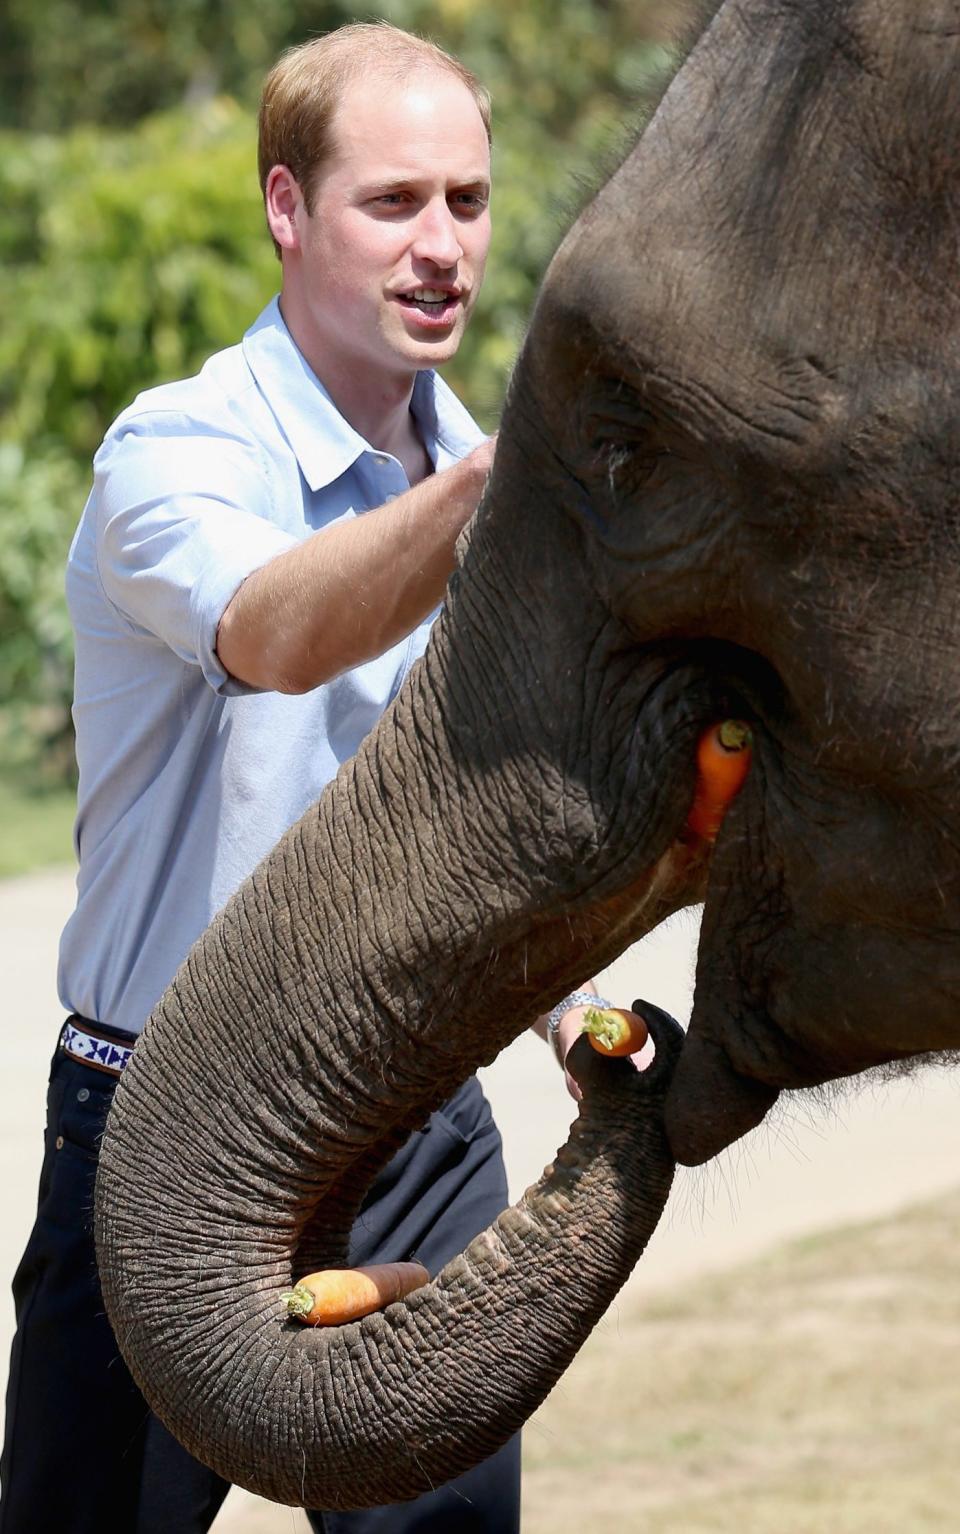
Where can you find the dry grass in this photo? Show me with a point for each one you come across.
(814, 1392)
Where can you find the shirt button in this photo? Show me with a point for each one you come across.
(391, 496)
(58, 1142)
(380, 460)
(83, 1094)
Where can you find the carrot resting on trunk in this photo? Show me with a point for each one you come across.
(723, 760)
(338, 1295)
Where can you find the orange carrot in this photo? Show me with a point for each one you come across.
(723, 760)
(614, 1030)
(345, 1294)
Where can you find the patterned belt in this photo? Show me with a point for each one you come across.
(94, 1049)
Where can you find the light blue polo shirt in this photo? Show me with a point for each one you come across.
(188, 777)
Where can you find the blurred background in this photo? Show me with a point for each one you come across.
(132, 245)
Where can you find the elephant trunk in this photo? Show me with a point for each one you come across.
(407, 928)
(385, 1408)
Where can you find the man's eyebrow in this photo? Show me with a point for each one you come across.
(397, 183)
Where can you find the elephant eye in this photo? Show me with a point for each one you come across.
(619, 425)
(622, 454)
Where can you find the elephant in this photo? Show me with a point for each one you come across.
(725, 486)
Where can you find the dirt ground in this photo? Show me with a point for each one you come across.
(812, 1391)
(813, 1167)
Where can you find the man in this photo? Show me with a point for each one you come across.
(254, 574)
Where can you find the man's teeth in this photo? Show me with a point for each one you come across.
(429, 296)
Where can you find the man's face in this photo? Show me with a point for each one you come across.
(394, 250)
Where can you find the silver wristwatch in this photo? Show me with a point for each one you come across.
(575, 999)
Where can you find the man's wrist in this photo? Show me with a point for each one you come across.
(562, 1022)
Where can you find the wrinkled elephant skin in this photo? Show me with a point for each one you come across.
(743, 377)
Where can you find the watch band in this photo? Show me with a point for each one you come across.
(575, 999)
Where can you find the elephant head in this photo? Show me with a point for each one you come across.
(725, 484)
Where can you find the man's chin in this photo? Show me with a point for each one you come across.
(431, 348)
(435, 352)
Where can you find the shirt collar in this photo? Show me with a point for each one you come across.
(324, 444)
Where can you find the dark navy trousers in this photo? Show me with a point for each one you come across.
(83, 1454)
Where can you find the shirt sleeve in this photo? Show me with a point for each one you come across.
(184, 516)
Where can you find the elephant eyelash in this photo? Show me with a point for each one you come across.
(629, 465)
(617, 458)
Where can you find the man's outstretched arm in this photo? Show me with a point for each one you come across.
(351, 591)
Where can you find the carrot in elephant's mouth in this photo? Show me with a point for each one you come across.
(338, 1295)
(724, 753)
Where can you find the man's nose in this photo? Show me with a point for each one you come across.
(437, 238)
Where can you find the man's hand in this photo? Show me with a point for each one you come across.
(571, 1026)
(480, 461)
(351, 591)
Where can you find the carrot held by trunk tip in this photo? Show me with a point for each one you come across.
(614, 1030)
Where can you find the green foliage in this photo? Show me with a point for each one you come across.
(35, 826)
(39, 501)
(64, 62)
(130, 257)
(37, 803)
(68, 61)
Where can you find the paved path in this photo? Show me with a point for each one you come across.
(874, 1152)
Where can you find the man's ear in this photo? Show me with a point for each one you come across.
(283, 201)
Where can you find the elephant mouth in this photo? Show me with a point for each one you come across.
(711, 1104)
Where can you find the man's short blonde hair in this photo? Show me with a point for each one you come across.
(302, 91)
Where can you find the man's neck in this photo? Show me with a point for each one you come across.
(386, 420)
(375, 404)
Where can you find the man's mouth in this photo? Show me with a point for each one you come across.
(438, 305)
